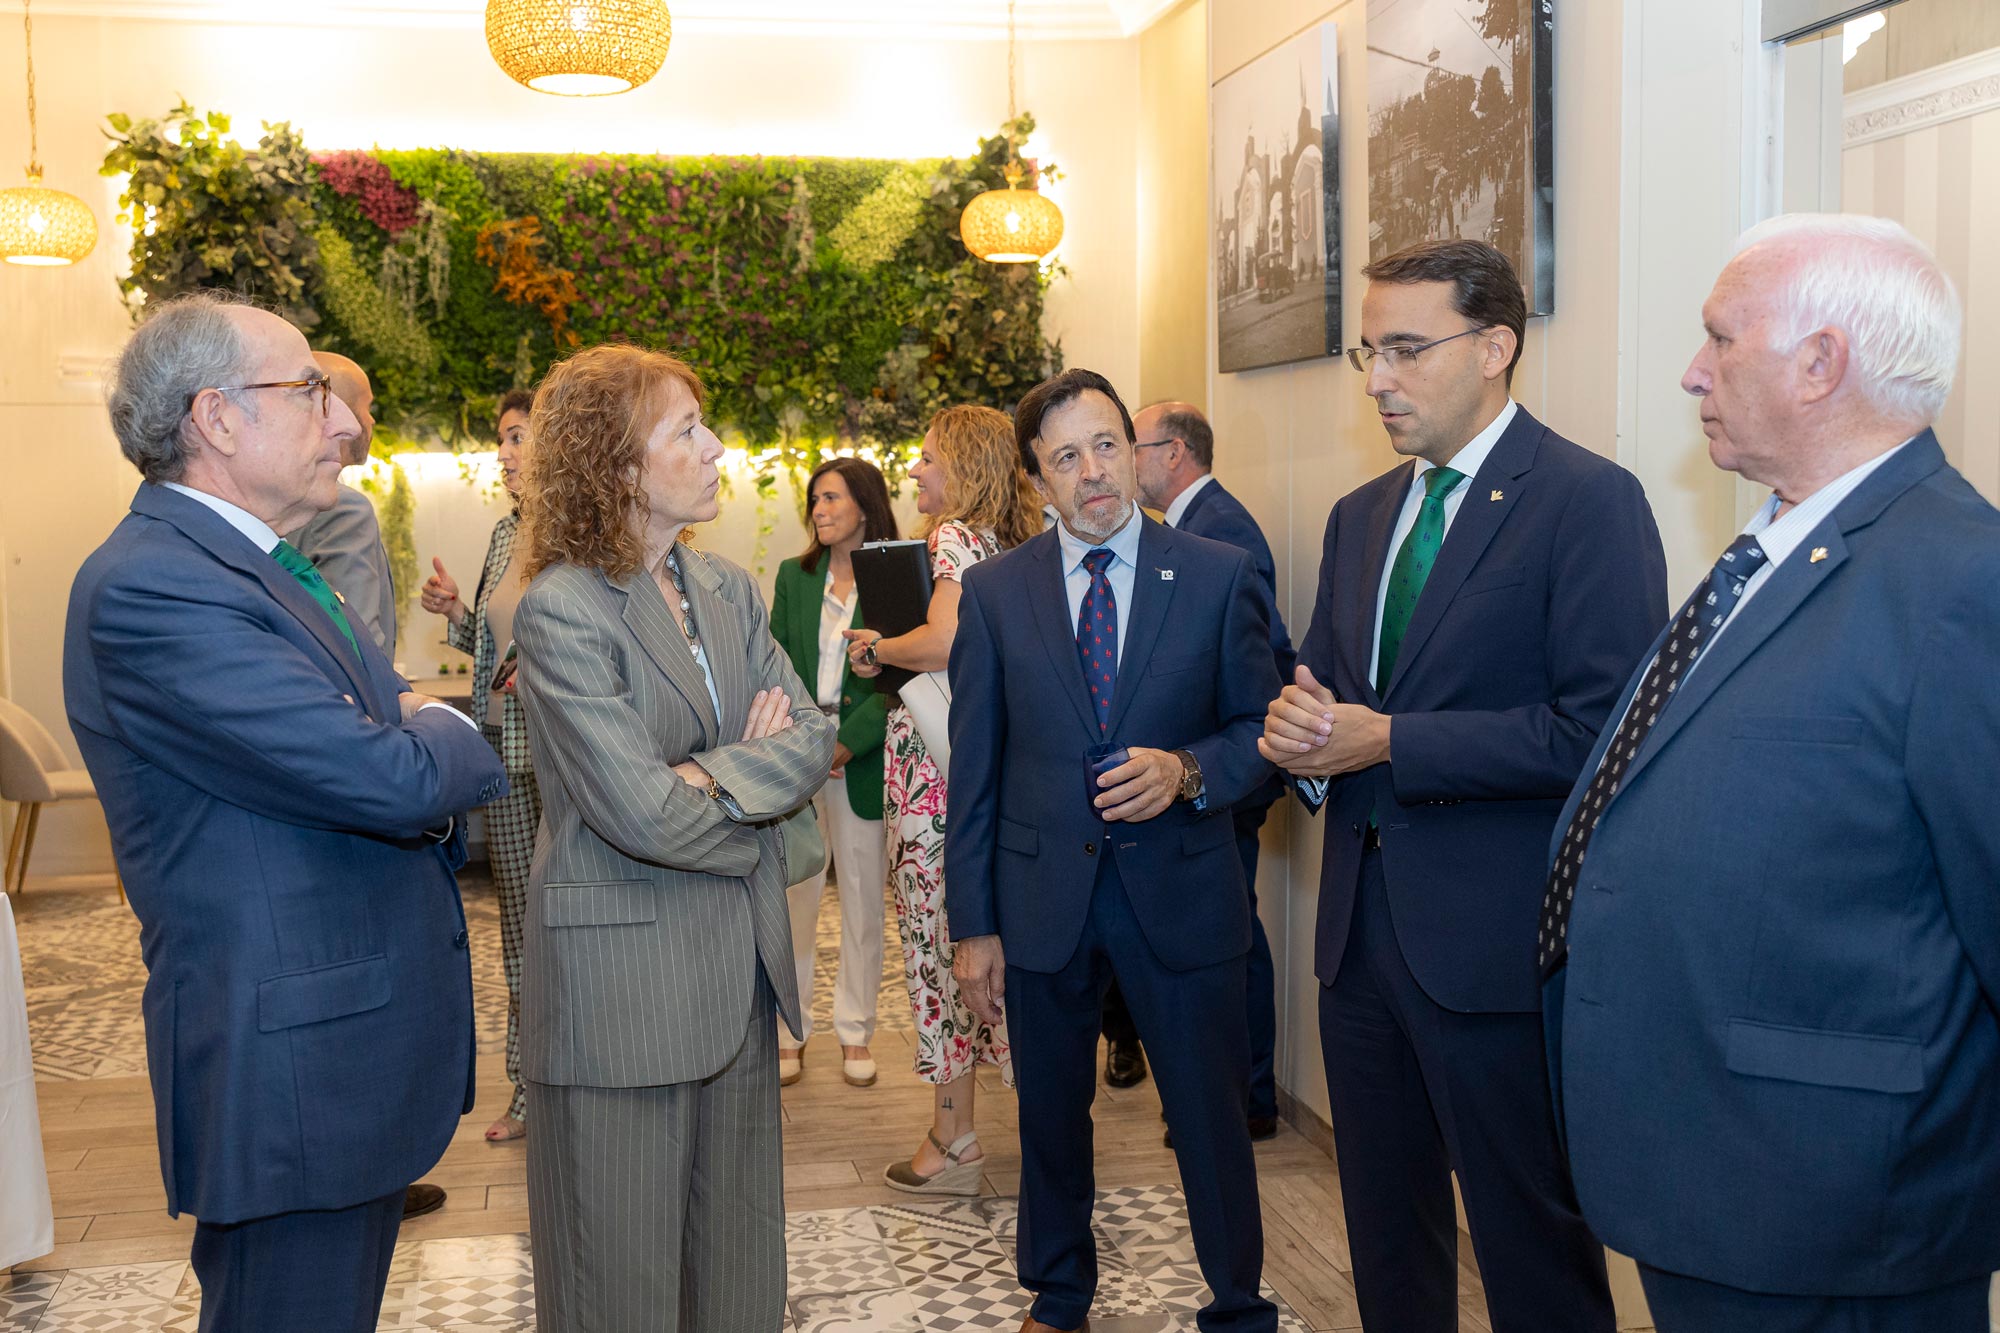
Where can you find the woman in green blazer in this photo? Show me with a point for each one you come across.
(847, 504)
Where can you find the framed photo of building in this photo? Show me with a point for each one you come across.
(1275, 182)
(1461, 138)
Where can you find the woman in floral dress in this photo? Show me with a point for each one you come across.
(976, 502)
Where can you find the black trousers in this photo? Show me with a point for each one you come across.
(1419, 1092)
(1192, 1022)
(1690, 1305)
(323, 1271)
(1260, 999)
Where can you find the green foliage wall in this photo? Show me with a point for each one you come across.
(820, 299)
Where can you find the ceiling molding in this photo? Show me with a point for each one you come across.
(1918, 101)
(956, 20)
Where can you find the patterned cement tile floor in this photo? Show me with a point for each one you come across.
(923, 1267)
(81, 965)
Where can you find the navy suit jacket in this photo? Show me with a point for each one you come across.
(1779, 1060)
(308, 999)
(1214, 513)
(1021, 838)
(1547, 589)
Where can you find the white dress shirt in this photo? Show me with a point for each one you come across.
(261, 535)
(1122, 571)
(835, 615)
(1179, 507)
(1467, 461)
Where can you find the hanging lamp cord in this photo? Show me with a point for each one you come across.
(34, 145)
(1013, 172)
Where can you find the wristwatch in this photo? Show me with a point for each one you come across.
(1191, 785)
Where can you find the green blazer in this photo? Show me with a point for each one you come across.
(864, 714)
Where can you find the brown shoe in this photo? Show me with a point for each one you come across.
(1033, 1325)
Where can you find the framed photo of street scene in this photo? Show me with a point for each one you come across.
(1275, 179)
(1461, 131)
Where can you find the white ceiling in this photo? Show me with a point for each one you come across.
(967, 19)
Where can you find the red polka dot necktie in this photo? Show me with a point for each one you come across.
(1097, 636)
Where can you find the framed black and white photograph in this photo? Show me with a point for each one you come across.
(1460, 130)
(1275, 178)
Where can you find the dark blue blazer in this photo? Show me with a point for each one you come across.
(1021, 838)
(1549, 585)
(1779, 1059)
(308, 999)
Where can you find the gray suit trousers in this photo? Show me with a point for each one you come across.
(662, 1209)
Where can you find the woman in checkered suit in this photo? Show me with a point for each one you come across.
(485, 629)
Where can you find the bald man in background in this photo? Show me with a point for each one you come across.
(345, 542)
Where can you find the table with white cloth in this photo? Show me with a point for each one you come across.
(27, 1223)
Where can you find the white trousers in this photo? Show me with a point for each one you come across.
(860, 861)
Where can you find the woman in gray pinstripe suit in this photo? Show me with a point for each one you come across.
(658, 942)
(486, 630)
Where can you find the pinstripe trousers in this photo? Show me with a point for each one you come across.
(511, 822)
(662, 1209)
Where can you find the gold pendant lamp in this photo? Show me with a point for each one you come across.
(40, 226)
(579, 48)
(1011, 226)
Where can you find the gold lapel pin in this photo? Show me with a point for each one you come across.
(1818, 554)
(1497, 495)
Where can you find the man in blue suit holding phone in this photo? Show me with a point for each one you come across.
(1773, 926)
(284, 811)
(1096, 752)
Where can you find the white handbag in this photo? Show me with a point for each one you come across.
(928, 697)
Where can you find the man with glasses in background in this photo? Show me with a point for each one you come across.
(285, 813)
(1479, 610)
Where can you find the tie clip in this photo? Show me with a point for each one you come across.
(1818, 554)
(1497, 495)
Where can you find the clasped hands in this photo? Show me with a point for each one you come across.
(770, 713)
(1309, 734)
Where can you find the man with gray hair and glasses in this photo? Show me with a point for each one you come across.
(1772, 930)
(284, 811)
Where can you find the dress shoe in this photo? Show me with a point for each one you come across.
(421, 1199)
(1034, 1325)
(1124, 1065)
(1262, 1127)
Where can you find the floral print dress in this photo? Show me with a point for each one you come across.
(951, 1040)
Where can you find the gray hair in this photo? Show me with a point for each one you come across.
(185, 344)
(1187, 424)
(1873, 280)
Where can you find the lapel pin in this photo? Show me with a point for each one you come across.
(1166, 576)
(1497, 495)
(341, 596)
(1818, 554)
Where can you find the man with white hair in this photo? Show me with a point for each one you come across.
(1772, 932)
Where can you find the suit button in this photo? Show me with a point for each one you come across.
(1090, 849)
(458, 940)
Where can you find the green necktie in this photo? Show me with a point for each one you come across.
(1412, 567)
(300, 568)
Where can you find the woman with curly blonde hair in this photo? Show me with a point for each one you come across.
(658, 942)
(975, 502)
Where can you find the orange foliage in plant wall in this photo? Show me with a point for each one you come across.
(514, 248)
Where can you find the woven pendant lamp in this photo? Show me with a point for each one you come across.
(579, 48)
(1011, 226)
(38, 225)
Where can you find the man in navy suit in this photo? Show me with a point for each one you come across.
(1176, 452)
(1095, 754)
(1478, 610)
(1773, 930)
(284, 813)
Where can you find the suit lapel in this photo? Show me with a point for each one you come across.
(1050, 600)
(652, 624)
(1375, 549)
(1196, 501)
(720, 623)
(1479, 516)
(1152, 593)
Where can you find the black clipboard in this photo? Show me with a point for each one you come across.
(893, 583)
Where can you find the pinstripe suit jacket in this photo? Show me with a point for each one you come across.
(648, 908)
(473, 635)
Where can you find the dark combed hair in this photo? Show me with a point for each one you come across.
(1050, 394)
(870, 492)
(1485, 288)
(1191, 428)
(516, 400)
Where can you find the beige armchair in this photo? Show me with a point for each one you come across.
(33, 773)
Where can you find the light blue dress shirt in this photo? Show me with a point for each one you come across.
(1124, 569)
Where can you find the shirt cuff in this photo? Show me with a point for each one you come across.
(449, 709)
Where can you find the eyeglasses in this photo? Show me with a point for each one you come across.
(1401, 356)
(319, 382)
(1154, 444)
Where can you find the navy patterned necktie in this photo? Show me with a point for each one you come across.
(1097, 636)
(1692, 630)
